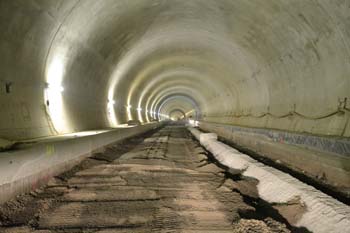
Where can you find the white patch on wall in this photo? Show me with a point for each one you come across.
(128, 109)
(111, 113)
(139, 112)
(53, 94)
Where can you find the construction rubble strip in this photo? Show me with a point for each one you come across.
(322, 214)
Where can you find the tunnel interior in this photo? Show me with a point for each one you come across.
(269, 78)
(70, 66)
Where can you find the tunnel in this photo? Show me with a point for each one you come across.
(269, 80)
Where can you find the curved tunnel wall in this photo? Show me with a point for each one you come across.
(77, 65)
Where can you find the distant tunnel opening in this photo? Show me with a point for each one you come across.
(177, 114)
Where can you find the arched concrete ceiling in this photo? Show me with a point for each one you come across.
(70, 65)
(180, 102)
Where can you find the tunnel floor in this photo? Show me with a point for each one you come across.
(159, 182)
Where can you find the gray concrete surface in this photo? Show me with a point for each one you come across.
(284, 66)
(77, 65)
(5, 144)
(315, 157)
(334, 145)
(27, 169)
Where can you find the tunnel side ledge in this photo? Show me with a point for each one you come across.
(25, 170)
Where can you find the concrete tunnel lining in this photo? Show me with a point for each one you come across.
(238, 67)
(177, 114)
(257, 50)
(184, 102)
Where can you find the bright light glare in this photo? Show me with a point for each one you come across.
(112, 118)
(55, 73)
(139, 111)
(86, 133)
(111, 113)
(54, 88)
(53, 94)
(111, 102)
(164, 116)
(193, 123)
(128, 109)
(147, 117)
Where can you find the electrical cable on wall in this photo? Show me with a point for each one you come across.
(342, 108)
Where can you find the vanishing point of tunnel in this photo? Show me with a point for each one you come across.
(192, 116)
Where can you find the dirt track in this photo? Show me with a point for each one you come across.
(160, 182)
